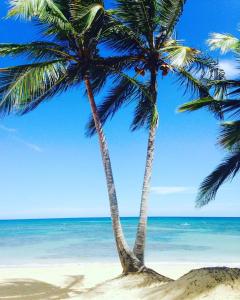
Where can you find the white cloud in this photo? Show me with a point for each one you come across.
(167, 190)
(230, 68)
(31, 146)
(14, 136)
(7, 129)
(34, 147)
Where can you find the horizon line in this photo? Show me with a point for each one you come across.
(108, 217)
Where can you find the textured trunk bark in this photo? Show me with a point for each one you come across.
(139, 246)
(129, 261)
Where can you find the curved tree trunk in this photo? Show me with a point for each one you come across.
(140, 241)
(129, 261)
(142, 225)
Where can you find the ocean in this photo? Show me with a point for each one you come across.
(176, 239)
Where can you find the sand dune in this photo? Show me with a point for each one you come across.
(102, 281)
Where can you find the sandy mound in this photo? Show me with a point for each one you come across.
(124, 287)
(100, 282)
(207, 283)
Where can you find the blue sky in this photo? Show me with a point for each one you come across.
(50, 169)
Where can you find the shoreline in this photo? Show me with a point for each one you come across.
(115, 263)
(95, 262)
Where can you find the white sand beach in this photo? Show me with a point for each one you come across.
(104, 281)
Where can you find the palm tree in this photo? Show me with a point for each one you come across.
(65, 57)
(145, 30)
(227, 102)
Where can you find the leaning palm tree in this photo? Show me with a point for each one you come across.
(144, 30)
(227, 103)
(65, 57)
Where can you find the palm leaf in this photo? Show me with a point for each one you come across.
(180, 56)
(206, 67)
(84, 17)
(225, 106)
(230, 134)
(22, 85)
(146, 113)
(110, 66)
(191, 83)
(214, 106)
(36, 50)
(170, 12)
(47, 11)
(120, 37)
(140, 16)
(225, 171)
(231, 107)
(224, 42)
(124, 91)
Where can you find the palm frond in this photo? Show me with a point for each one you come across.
(180, 56)
(235, 92)
(214, 106)
(47, 11)
(191, 83)
(125, 90)
(85, 16)
(206, 67)
(146, 113)
(231, 107)
(140, 16)
(234, 86)
(170, 11)
(119, 37)
(36, 50)
(208, 71)
(230, 134)
(225, 171)
(196, 104)
(22, 86)
(103, 68)
(224, 42)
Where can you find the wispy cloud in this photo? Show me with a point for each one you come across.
(230, 68)
(167, 190)
(31, 146)
(13, 134)
(34, 147)
(7, 129)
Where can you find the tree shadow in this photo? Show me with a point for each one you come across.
(28, 289)
(193, 285)
(125, 283)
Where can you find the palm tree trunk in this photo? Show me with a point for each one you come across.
(139, 246)
(128, 260)
(142, 225)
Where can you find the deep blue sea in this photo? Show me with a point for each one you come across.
(54, 241)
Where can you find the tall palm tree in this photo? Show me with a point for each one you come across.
(228, 103)
(145, 30)
(66, 56)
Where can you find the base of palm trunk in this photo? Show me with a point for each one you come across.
(150, 275)
(132, 265)
(155, 275)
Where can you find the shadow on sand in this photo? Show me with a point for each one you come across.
(197, 284)
(28, 289)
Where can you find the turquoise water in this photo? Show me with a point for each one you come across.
(91, 240)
